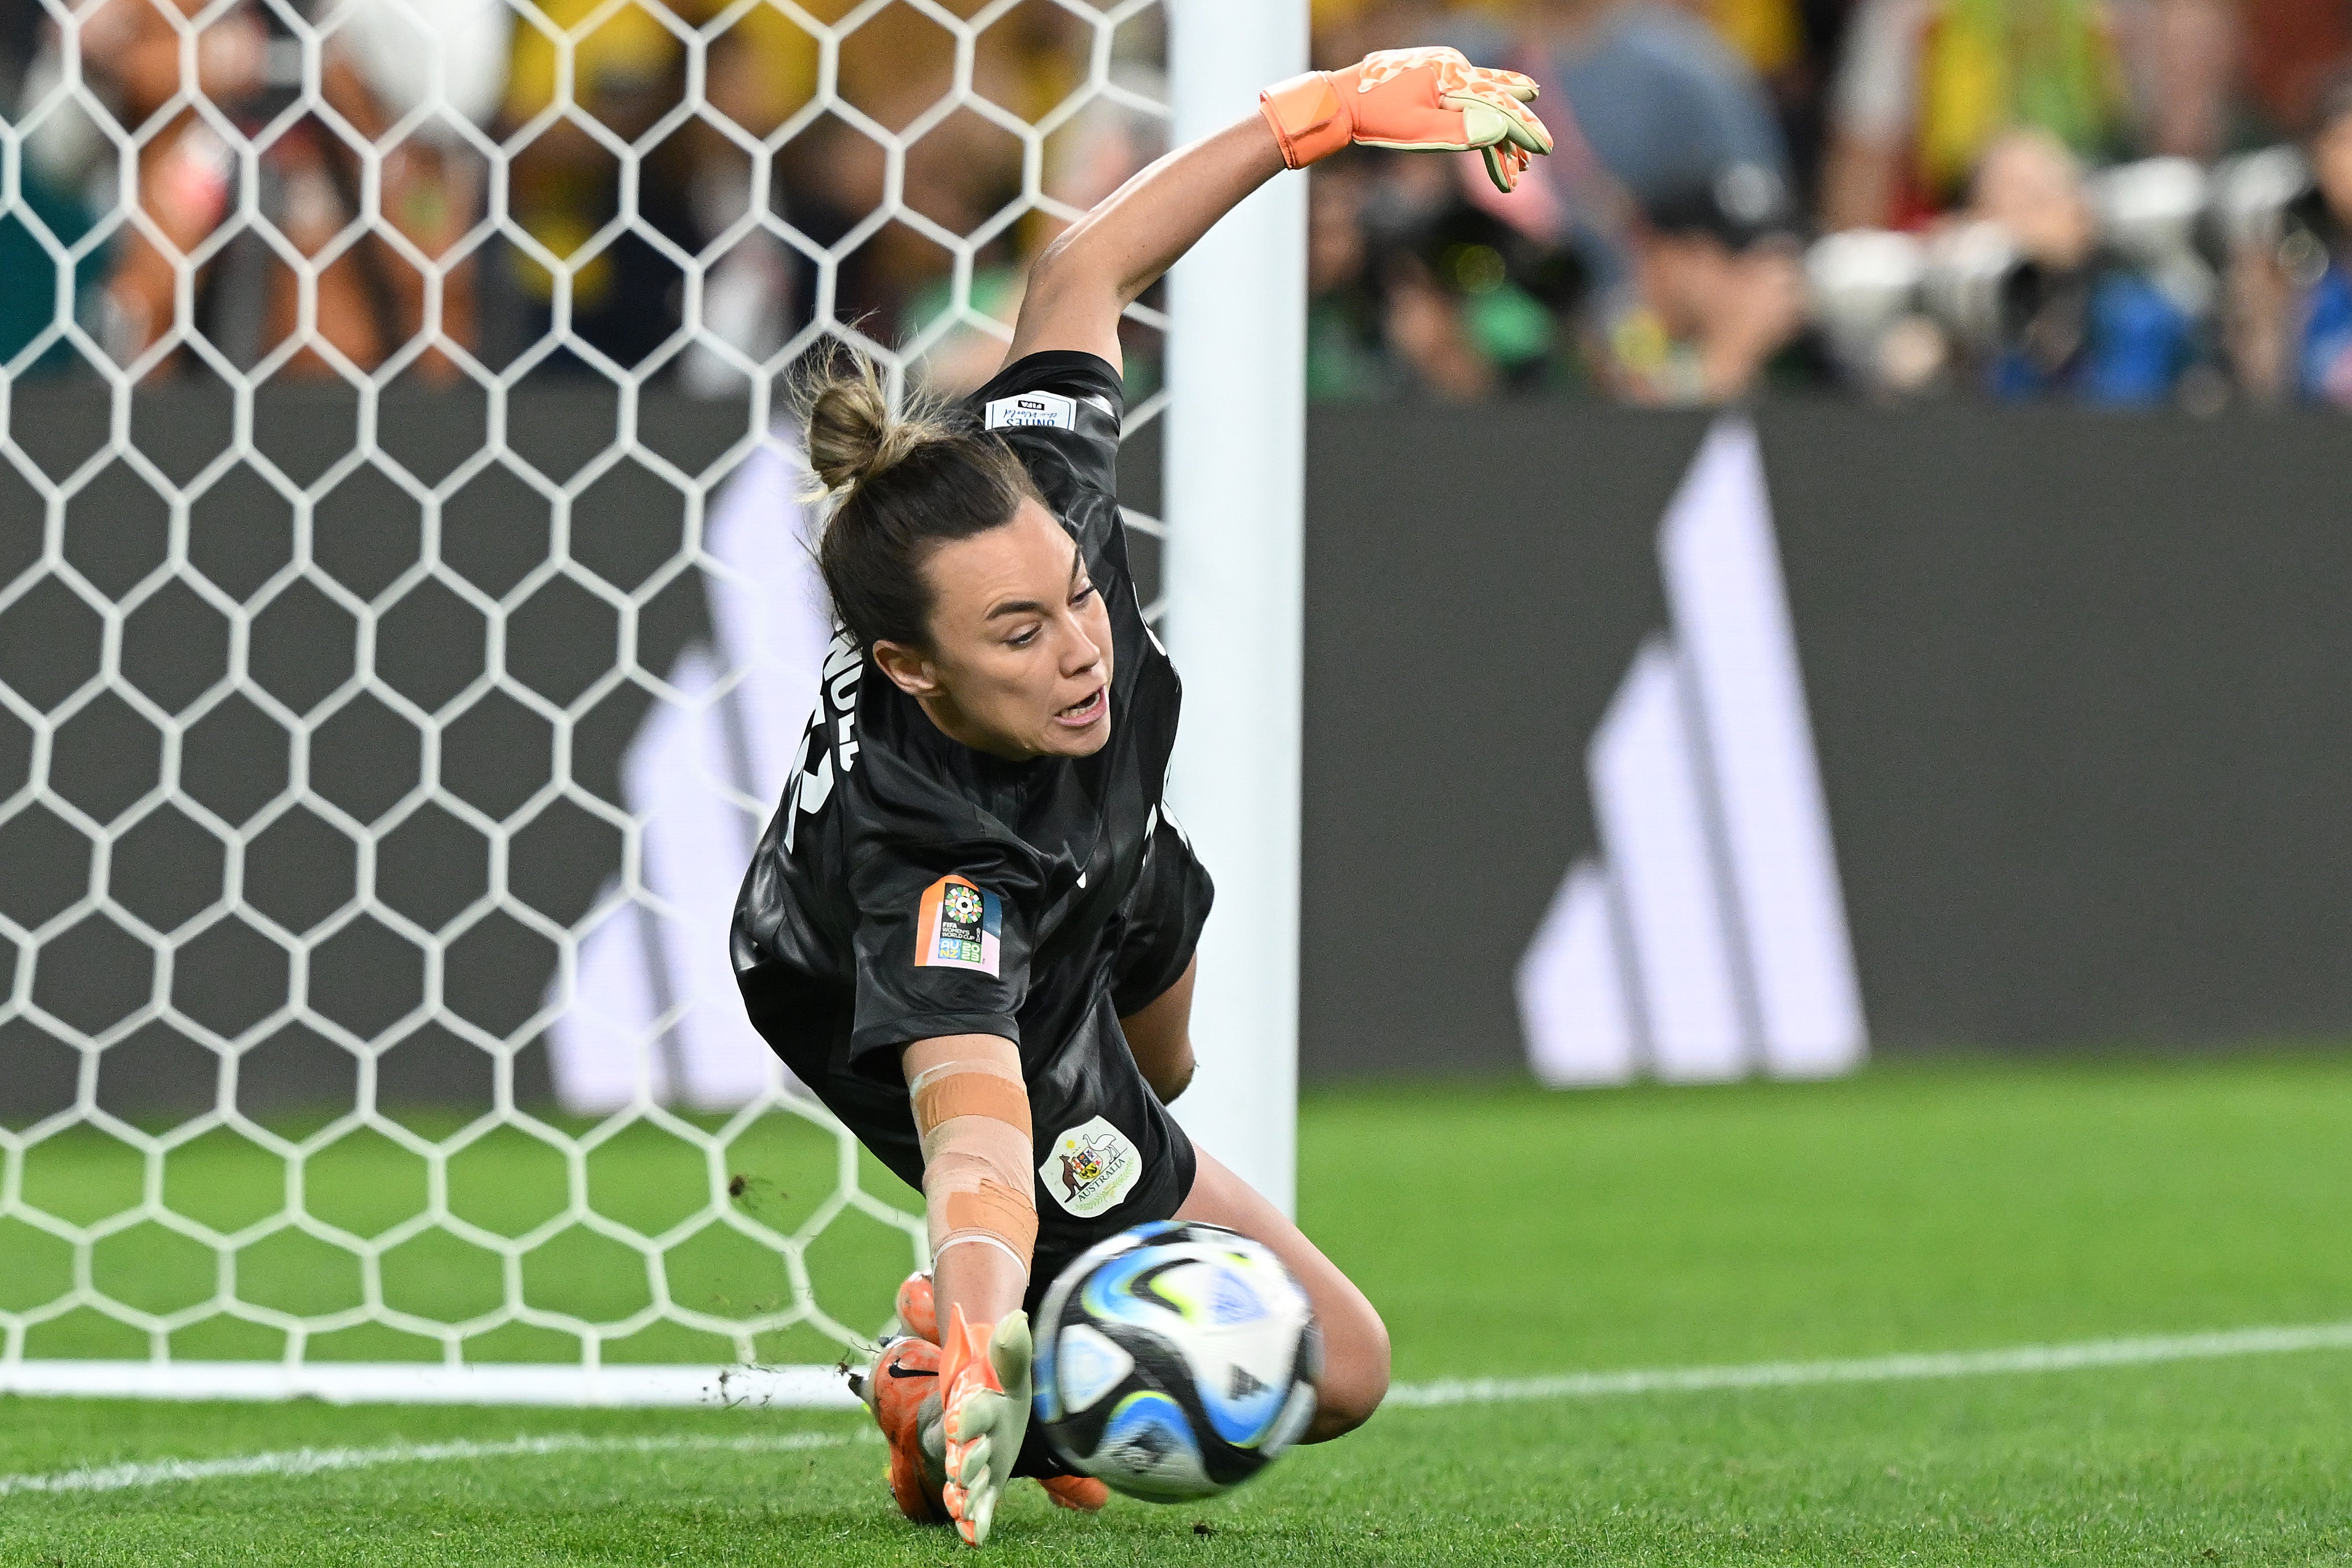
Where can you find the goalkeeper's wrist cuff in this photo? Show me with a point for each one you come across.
(1309, 117)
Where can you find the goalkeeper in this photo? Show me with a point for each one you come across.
(970, 928)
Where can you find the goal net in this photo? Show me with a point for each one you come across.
(405, 628)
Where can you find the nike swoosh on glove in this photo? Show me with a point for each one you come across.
(984, 1383)
(1415, 100)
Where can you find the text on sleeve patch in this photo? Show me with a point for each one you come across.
(958, 927)
(1049, 410)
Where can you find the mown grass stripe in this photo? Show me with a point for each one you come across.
(2142, 1352)
(312, 1461)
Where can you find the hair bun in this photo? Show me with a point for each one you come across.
(853, 435)
(848, 428)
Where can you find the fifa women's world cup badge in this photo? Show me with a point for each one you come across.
(958, 927)
(1090, 1168)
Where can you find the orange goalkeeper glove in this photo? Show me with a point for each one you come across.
(985, 1396)
(1417, 100)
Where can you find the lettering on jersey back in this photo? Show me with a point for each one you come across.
(807, 792)
(828, 738)
(844, 664)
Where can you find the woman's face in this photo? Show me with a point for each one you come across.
(1020, 662)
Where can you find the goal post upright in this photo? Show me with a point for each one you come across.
(1235, 567)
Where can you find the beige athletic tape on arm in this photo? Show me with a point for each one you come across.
(973, 1117)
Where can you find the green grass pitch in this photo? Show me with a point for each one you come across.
(1507, 1233)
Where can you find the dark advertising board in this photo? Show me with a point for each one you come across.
(2080, 686)
(2070, 696)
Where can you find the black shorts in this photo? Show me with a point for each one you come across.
(1159, 929)
(1159, 925)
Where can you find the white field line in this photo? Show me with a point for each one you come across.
(2028, 1358)
(2145, 1352)
(311, 1461)
(411, 1382)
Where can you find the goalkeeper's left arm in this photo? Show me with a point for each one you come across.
(1409, 99)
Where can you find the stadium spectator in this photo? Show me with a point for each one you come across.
(1449, 291)
(1925, 86)
(2183, 68)
(1420, 289)
(2324, 344)
(59, 156)
(1661, 101)
(627, 294)
(756, 75)
(1109, 142)
(130, 59)
(1792, 46)
(1381, 320)
(1347, 350)
(370, 300)
(1620, 264)
(564, 182)
(2073, 318)
(385, 62)
(1715, 302)
(2290, 279)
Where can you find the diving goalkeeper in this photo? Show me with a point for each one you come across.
(971, 927)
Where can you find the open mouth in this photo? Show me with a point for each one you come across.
(1078, 714)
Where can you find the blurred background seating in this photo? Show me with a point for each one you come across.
(2113, 202)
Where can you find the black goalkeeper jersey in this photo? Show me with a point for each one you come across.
(910, 887)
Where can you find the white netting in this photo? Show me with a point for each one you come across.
(403, 642)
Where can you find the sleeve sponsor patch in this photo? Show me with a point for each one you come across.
(958, 927)
(1050, 411)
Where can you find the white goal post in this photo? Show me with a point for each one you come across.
(701, 1231)
(1236, 496)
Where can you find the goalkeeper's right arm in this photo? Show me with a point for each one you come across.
(971, 1111)
(1110, 256)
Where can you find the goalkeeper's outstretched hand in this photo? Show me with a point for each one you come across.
(1417, 100)
(984, 1389)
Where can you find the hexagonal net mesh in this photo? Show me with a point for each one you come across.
(406, 625)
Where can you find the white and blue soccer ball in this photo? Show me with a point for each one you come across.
(1175, 1361)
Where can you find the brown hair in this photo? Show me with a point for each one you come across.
(901, 484)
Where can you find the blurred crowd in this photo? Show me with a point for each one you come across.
(2113, 202)
(2118, 202)
(434, 185)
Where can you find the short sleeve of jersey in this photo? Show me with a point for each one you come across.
(1060, 412)
(942, 948)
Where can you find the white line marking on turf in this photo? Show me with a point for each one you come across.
(311, 1461)
(2029, 1358)
(411, 1383)
(1883, 1369)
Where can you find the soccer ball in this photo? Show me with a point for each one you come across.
(1175, 1361)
